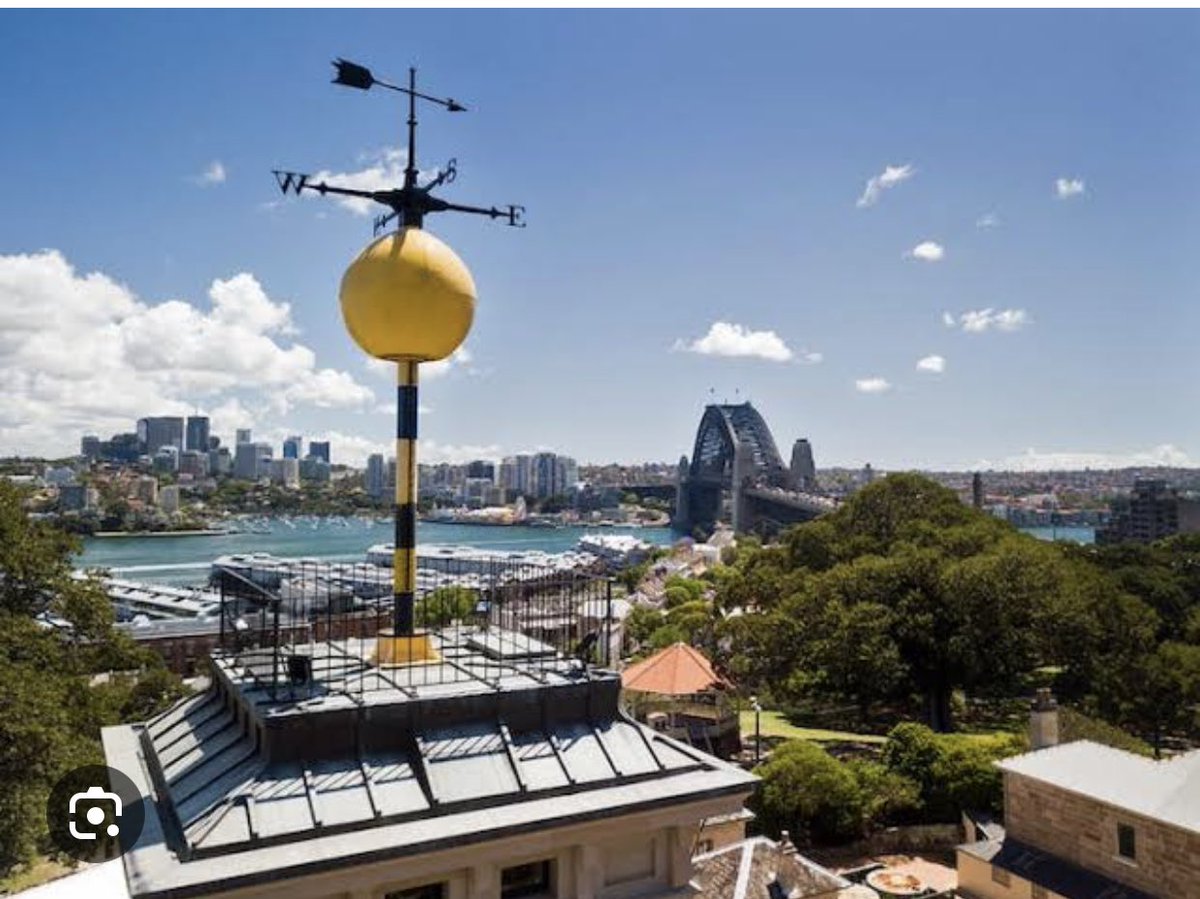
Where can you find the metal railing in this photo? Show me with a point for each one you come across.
(304, 622)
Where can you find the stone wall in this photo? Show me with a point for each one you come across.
(1084, 831)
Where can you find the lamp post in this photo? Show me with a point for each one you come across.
(757, 730)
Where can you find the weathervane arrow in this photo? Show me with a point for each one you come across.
(409, 203)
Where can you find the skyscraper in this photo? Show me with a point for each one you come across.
(243, 435)
(319, 449)
(376, 476)
(252, 461)
(292, 447)
(197, 433)
(156, 432)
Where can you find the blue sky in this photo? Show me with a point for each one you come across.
(686, 175)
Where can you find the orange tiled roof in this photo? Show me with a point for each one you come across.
(678, 670)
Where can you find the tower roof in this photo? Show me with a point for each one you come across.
(678, 670)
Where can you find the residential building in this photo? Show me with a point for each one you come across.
(77, 497)
(145, 490)
(56, 477)
(1086, 820)
(197, 433)
(156, 432)
(168, 498)
(319, 449)
(292, 447)
(760, 868)
(1152, 511)
(89, 446)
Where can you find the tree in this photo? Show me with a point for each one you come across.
(808, 792)
(50, 714)
(446, 605)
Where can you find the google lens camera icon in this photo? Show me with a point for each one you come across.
(94, 804)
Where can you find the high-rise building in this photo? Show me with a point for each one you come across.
(292, 447)
(313, 468)
(243, 435)
(977, 490)
(481, 469)
(194, 463)
(89, 447)
(168, 498)
(121, 448)
(803, 468)
(197, 433)
(252, 461)
(286, 471)
(568, 474)
(375, 479)
(220, 461)
(545, 475)
(167, 458)
(156, 432)
(319, 449)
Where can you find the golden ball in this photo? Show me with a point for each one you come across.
(408, 296)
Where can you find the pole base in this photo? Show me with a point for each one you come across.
(410, 649)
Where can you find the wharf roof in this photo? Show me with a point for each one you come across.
(500, 737)
(678, 670)
(1167, 790)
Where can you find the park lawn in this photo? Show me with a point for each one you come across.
(774, 724)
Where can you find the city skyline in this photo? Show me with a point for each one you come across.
(924, 257)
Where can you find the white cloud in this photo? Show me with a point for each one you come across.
(810, 357)
(459, 360)
(432, 451)
(987, 220)
(933, 364)
(1166, 454)
(214, 174)
(729, 339)
(872, 385)
(977, 321)
(889, 178)
(1065, 188)
(82, 353)
(928, 251)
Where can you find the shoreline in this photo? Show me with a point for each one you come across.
(201, 532)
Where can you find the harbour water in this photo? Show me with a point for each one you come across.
(186, 559)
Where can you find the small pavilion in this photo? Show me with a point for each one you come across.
(677, 692)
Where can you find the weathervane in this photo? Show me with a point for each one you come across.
(410, 203)
(406, 299)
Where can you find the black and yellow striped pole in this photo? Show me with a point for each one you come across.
(408, 299)
(404, 557)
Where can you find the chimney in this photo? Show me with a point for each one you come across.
(1043, 720)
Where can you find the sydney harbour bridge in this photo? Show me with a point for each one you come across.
(737, 475)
